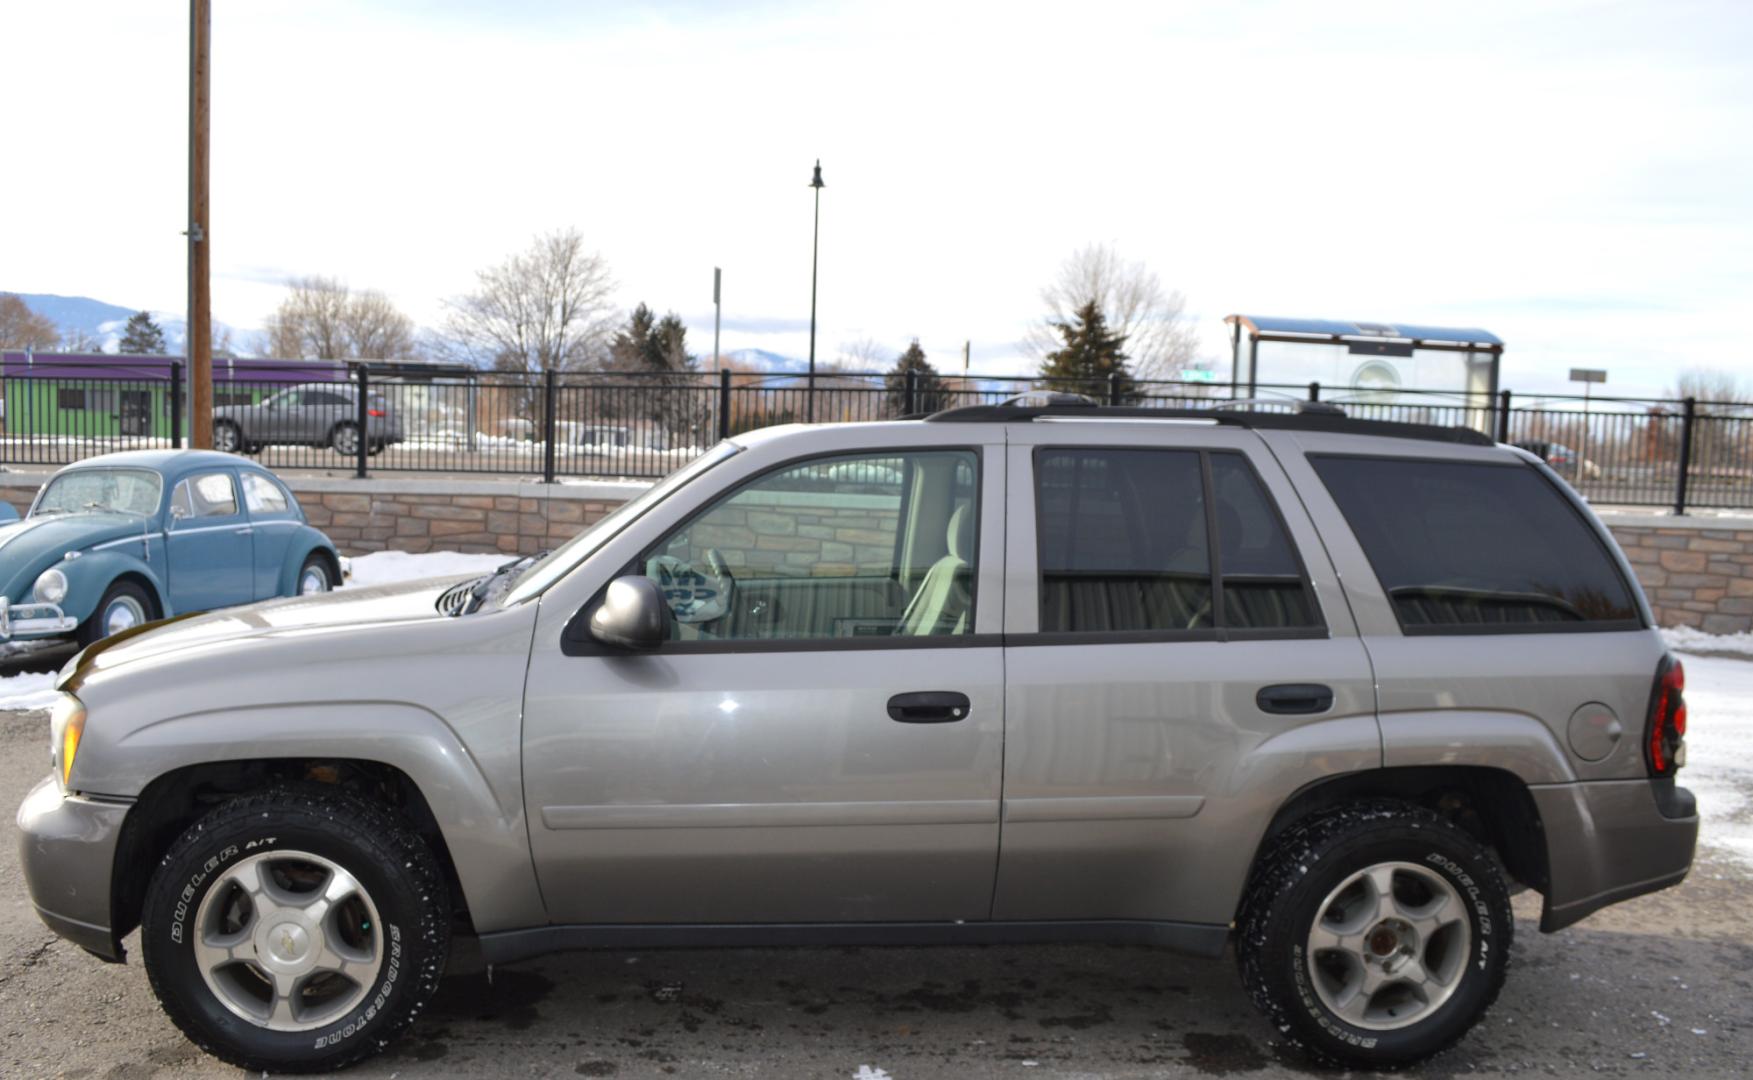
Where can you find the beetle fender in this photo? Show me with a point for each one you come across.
(90, 574)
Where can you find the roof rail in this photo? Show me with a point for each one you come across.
(1309, 416)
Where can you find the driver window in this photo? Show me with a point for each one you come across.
(207, 495)
(843, 547)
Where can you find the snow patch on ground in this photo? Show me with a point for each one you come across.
(29, 691)
(1719, 752)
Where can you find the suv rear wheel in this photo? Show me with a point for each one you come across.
(1376, 934)
(296, 930)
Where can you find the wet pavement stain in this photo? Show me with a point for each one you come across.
(596, 1068)
(510, 998)
(1221, 1055)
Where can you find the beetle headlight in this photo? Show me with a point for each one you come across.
(51, 586)
(66, 728)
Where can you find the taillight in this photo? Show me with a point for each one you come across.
(374, 412)
(1665, 732)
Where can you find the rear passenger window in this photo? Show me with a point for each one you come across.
(1463, 546)
(1122, 541)
(1124, 545)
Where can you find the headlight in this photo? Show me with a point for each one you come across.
(66, 728)
(51, 586)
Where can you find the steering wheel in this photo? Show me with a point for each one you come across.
(695, 595)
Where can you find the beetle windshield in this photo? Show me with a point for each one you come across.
(114, 491)
(557, 563)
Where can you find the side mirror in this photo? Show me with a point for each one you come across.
(632, 614)
(177, 513)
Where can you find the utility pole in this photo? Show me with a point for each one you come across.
(198, 336)
(815, 249)
(717, 310)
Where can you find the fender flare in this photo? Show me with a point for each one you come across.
(1513, 742)
(484, 830)
(305, 540)
(93, 572)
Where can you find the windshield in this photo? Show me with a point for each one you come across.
(562, 559)
(121, 491)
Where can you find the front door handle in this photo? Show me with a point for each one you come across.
(1295, 698)
(929, 707)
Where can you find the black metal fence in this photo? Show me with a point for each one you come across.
(364, 419)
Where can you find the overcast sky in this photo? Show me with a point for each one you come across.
(1574, 176)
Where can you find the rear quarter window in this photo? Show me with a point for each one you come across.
(1466, 547)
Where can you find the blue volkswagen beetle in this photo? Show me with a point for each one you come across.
(122, 539)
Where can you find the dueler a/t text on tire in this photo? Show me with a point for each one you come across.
(1374, 934)
(296, 930)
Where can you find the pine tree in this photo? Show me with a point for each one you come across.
(928, 386)
(1092, 360)
(142, 337)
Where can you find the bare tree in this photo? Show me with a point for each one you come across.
(22, 328)
(864, 355)
(546, 308)
(1160, 340)
(81, 341)
(324, 319)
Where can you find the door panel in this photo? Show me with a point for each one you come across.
(750, 770)
(273, 523)
(1140, 774)
(763, 787)
(210, 548)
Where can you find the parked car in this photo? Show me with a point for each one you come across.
(120, 540)
(1315, 688)
(313, 414)
(1564, 461)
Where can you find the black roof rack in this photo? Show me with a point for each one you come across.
(1310, 416)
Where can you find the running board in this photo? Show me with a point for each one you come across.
(506, 946)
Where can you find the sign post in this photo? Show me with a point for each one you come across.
(1588, 377)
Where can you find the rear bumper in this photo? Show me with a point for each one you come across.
(1609, 841)
(67, 849)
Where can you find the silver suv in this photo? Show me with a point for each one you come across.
(1316, 689)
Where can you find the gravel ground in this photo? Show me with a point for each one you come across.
(1662, 985)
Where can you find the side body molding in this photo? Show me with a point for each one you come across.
(483, 828)
(1514, 742)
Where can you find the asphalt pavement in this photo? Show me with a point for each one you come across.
(1660, 986)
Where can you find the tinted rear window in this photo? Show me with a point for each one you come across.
(1467, 546)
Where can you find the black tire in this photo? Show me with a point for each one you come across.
(228, 437)
(93, 628)
(344, 438)
(1303, 868)
(319, 561)
(373, 844)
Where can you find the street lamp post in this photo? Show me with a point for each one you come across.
(815, 254)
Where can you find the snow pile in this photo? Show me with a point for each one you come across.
(29, 691)
(1689, 639)
(389, 567)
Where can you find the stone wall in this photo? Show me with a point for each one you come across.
(1696, 571)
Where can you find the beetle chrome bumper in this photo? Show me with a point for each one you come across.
(33, 620)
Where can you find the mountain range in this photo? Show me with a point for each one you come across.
(103, 321)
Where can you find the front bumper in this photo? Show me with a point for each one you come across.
(1611, 840)
(67, 848)
(33, 620)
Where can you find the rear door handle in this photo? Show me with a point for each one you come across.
(1295, 698)
(929, 707)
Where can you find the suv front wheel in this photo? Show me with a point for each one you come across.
(296, 930)
(1376, 934)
